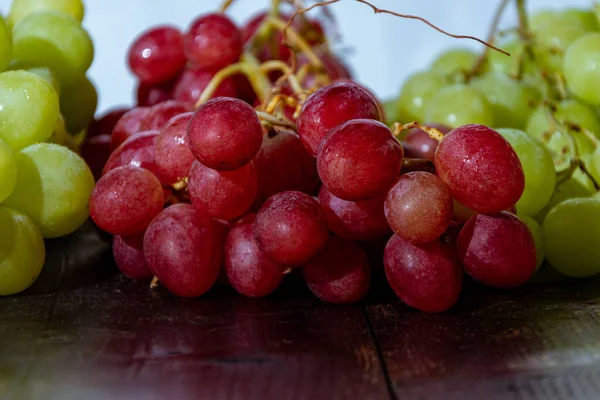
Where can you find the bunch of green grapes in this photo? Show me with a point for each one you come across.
(45, 101)
(544, 100)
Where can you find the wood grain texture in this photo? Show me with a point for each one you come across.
(119, 340)
(537, 342)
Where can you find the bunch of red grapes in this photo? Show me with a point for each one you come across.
(196, 195)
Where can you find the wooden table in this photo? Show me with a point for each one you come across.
(117, 339)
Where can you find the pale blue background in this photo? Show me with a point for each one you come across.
(383, 49)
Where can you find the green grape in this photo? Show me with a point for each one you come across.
(78, 104)
(28, 109)
(390, 108)
(5, 45)
(22, 8)
(22, 252)
(582, 68)
(8, 171)
(59, 134)
(571, 230)
(53, 40)
(454, 61)
(586, 18)
(538, 238)
(538, 166)
(499, 62)
(416, 95)
(512, 101)
(459, 105)
(578, 186)
(53, 188)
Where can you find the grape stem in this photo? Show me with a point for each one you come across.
(155, 283)
(275, 121)
(180, 185)
(275, 8)
(586, 171)
(377, 10)
(432, 132)
(225, 5)
(480, 61)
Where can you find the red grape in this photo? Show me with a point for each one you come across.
(128, 125)
(106, 123)
(128, 252)
(291, 228)
(331, 106)
(137, 151)
(172, 155)
(159, 114)
(481, 168)
(423, 145)
(419, 207)
(355, 220)
(96, 151)
(193, 81)
(497, 250)
(225, 133)
(359, 160)
(125, 200)
(427, 276)
(340, 273)
(157, 55)
(249, 271)
(151, 95)
(213, 41)
(282, 163)
(183, 248)
(224, 194)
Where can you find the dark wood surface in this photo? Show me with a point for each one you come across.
(117, 339)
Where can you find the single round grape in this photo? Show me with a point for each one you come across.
(19, 9)
(340, 273)
(421, 144)
(105, 124)
(579, 185)
(223, 194)
(213, 41)
(512, 100)
(137, 151)
(55, 40)
(225, 133)
(127, 126)
(538, 167)
(172, 155)
(22, 252)
(5, 45)
(183, 248)
(159, 114)
(481, 168)
(8, 171)
(419, 207)
(454, 61)
(125, 200)
(331, 106)
(282, 163)
(291, 228)
(571, 230)
(581, 68)
(359, 160)
(354, 220)
(417, 94)
(249, 271)
(151, 95)
(128, 252)
(192, 82)
(156, 55)
(497, 250)
(28, 109)
(78, 103)
(96, 151)
(427, 276)
(538, 238)
(459, 105)
(53, 188)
